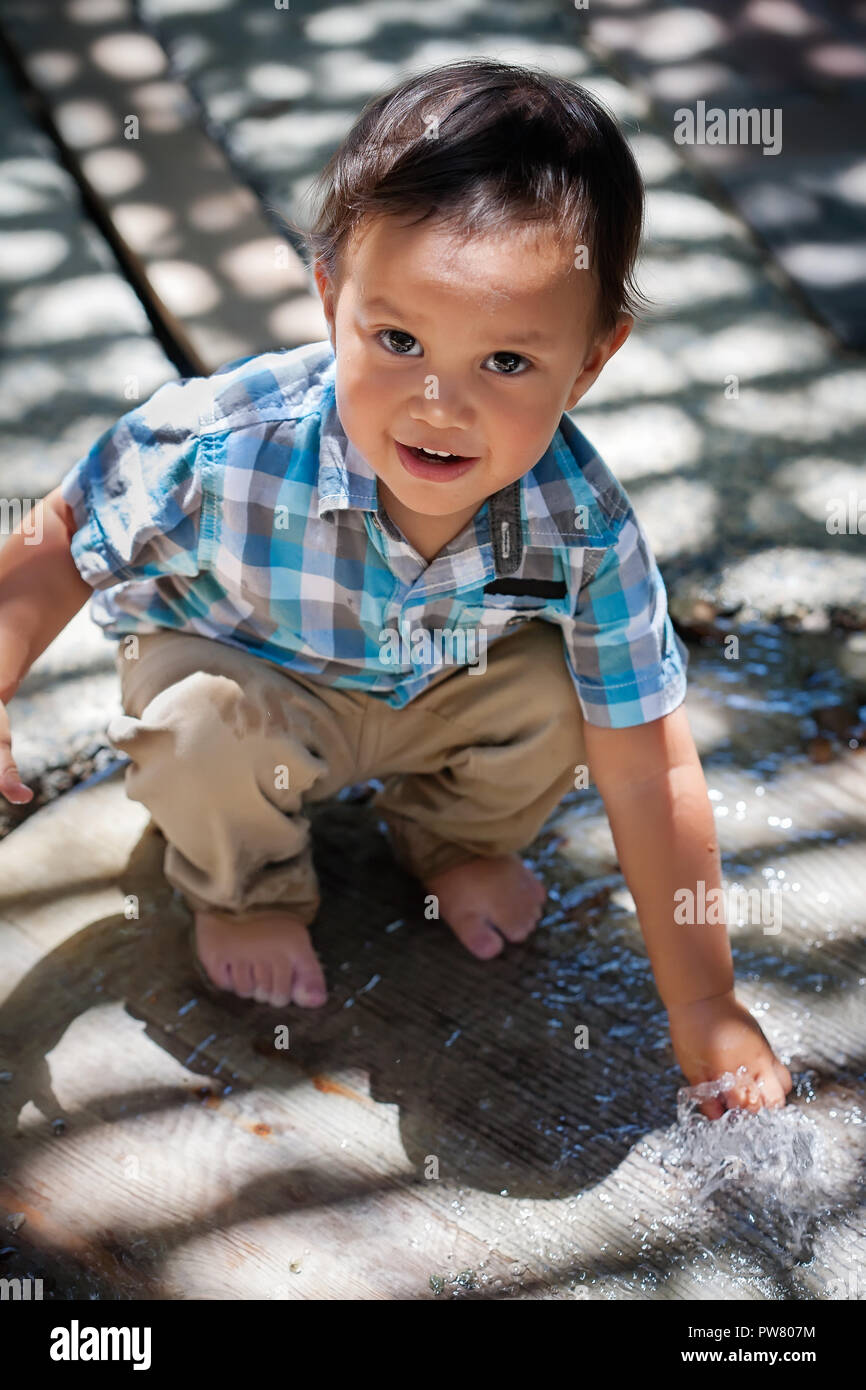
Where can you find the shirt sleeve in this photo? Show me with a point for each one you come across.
(627, 663)
(136, 497)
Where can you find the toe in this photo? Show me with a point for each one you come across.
(309, 989)
(477, 935)
(241, 978)
(516, 928)
(217, 968)
(263, 981)
(539, 890)
(284, 976)
(520, 921)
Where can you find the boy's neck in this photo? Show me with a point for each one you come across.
(428, 534)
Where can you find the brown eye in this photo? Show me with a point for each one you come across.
(400, 348)
(511, 359)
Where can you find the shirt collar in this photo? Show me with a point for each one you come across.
(345, 477)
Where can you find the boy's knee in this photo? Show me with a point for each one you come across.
(194, 715)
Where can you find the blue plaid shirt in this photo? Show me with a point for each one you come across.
(234, 507)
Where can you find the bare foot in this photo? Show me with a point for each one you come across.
(489, 901)
(266, 957)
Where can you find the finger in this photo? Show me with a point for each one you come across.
(11, 786)
(786, 1081)
(746, 1095)
(713, 1109)
(772, 1094)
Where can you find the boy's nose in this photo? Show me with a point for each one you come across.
(444, 408)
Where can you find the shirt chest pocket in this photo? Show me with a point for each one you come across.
(507, 604)
(501, 613)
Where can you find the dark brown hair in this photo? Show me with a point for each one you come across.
(483, 145)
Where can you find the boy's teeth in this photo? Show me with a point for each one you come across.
(434, 453)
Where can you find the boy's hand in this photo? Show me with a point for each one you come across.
(11, 786)
(712, 1036)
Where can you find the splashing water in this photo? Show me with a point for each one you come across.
(773, 1159)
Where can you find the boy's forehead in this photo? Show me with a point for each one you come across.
(391, 261)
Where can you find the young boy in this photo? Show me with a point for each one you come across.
(284, 549)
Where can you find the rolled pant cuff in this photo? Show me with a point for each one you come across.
(421, 852)
(305, 911)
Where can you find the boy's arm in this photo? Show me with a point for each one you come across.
(655, 795)
(40, 591)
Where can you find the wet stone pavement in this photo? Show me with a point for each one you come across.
(434, 1131)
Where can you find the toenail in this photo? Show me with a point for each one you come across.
(311, 994)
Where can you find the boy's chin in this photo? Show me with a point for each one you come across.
(444, 502)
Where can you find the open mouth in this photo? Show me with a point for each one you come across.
(433, 456)
(433, 466)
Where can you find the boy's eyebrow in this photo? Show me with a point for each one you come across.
(524, 337)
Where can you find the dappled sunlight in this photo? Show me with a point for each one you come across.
(24, 255)
(96, 11)
(219, 212)
(669, 439)
(85, 123)
(675, 216)
(163, 105)
(279, 81)
(695, 278)
(812, 482)
(285, 142)
(642, 368)
(666, 35)
(799, 580)
(150, 223)
(115, 172)
(253, 269)
(815, 410)
(803, 67)
(54, 68)
(688, 82)
(130, 56)
(764, 346)
(781, 17)
(776, 205)
(838, 60)
(680, 515)
(80, 308)
(850, 183)
(30, 186)
(846, 266)
(300, 320)
(189, 288)
(657, 159)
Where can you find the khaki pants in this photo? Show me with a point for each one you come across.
(226, 748)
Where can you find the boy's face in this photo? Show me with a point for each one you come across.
(471, 347)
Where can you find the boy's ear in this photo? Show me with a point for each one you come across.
(327, 296)
(600, 352)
